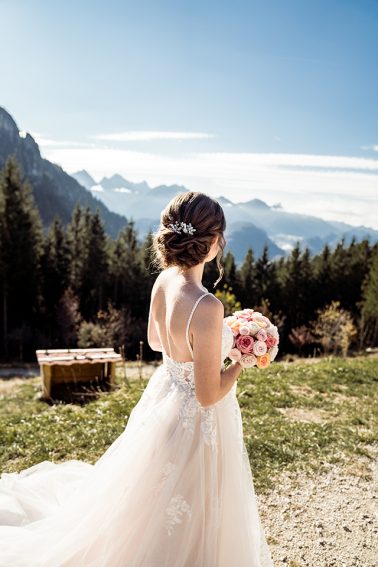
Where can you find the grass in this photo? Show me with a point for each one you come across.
(295, 417)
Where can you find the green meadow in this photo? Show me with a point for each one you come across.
(296, 416)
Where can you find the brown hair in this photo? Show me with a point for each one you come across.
(186, 250)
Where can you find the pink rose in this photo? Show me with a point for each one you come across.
(244, 330)
(243, 318)
(235, 354)
(270, 341)
(261, 335)
(244, 343)
(259, 348)
(244, 314)
(248, 360)
(249, 311)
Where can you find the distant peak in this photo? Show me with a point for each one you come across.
(224, 201)
(116, 178)
(256, 204)
(84, 178)
(82, 172)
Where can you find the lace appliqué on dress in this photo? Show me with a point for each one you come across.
(169, 468)
(183, 379)
(175, 511)
(187, 413)
(209, 427)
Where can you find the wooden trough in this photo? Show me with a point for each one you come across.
(76, 365)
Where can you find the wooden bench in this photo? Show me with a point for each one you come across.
(76, 365)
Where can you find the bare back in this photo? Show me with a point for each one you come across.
(172, 303)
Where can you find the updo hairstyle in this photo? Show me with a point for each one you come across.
(187, 250)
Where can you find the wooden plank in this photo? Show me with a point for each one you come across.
(46, 381)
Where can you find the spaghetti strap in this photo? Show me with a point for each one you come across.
(189, 320)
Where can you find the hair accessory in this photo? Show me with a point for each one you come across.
(182, 226)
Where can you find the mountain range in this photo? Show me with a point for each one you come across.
(55, 191)
(249, 223)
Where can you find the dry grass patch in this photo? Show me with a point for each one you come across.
(305, 415)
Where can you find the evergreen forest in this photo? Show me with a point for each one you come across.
(75, 286)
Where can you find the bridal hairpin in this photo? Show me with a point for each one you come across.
(182, 227)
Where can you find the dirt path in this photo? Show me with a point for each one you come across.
(325, 520)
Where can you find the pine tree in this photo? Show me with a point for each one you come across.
(55, 264)
(322, 266)
(232, 275)
(20, 253)
(126, 270)
(95, 270)
(148, 272)
(77, 247)
(248, 279)
(369, 302)
(339, 271)
(297, 282)
(355, 270)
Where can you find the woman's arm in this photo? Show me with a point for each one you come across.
(206, 328)
(152, 334)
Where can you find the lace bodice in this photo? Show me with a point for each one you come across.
(182, 373)
(180, 377)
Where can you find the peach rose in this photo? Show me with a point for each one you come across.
(263, 361)
(261, 323)
(236, 325)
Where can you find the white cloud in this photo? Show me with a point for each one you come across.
(373, 147)
(49, 142)
(334, 187)
(147, 136)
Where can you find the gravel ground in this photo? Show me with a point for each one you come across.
(327, 519)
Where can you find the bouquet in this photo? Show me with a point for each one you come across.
(255, 338)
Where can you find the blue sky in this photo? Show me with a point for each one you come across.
(269, 99)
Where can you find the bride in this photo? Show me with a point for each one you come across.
(175, 489)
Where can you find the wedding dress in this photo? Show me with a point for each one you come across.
(175, 489)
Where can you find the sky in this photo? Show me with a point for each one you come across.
(246, 99)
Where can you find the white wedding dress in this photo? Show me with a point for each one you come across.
(175, 489)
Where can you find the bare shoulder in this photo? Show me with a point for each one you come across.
(210, 308)
(159, 282)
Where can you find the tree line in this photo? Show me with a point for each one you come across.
(75, 286)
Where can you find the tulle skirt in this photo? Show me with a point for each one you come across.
(175, 489)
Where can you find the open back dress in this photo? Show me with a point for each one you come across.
(175, 489)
